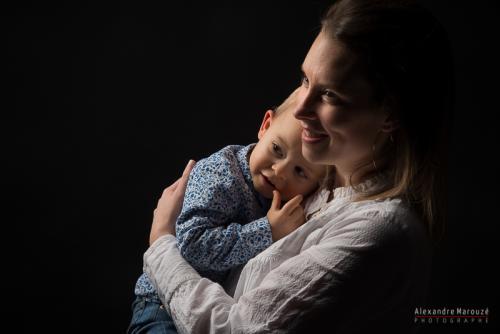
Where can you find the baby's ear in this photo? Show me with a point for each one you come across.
(266, 123)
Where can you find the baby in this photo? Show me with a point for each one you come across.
(227, 216)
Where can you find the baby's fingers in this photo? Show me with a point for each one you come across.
(292, 204)
(276, 200)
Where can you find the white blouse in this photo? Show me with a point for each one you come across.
(353, 267)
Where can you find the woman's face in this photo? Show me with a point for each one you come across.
(339, 118)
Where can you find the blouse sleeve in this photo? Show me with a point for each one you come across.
(354, 270)
(208, 235)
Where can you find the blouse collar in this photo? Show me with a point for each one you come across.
(370, 184)
(320, 199)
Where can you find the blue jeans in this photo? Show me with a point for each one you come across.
(150, 317)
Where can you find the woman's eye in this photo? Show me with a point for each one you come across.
(332, 97)
(305, 81)
(300, 172)
(277, 149)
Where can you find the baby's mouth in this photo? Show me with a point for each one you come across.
(268, 181)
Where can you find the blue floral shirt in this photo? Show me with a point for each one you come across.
(223, 221)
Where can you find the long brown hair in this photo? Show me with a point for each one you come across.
(407, 57)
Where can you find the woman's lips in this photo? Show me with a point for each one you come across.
(312, 137)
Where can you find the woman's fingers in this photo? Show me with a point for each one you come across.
(173, 186)
(169, 206)
(182, 182)
(188, 168)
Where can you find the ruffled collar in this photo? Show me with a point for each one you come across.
(370, 184)
(323, 198)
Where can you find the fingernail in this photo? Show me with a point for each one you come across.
(188, 167)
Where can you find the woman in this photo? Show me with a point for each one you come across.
(374, 105)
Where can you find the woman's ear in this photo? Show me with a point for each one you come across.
(266, 123)
(389, 124)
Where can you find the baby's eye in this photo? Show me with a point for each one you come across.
(277, 149)
(300, 172)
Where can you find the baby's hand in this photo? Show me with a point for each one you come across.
(287, 219)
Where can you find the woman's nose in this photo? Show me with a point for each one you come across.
(305, 105)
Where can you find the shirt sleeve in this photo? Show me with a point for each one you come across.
(351, 272)
(208, 233)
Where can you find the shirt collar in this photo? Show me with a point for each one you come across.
(243, 156)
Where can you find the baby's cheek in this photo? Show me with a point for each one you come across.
(294, 191)
(311, 187)
(287, 194)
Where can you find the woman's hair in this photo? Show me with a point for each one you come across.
(407, 59)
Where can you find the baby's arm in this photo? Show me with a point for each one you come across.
(208, 235)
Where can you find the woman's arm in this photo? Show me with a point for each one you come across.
(354, 272)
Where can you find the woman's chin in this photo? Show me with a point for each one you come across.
(317, 154)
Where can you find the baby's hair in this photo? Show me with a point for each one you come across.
(287, 104)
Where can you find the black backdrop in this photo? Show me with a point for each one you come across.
(111, 100)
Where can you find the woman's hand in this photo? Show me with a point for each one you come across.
(169, 206)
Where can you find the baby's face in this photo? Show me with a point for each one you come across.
(276, 162)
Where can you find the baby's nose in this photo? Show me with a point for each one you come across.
(280, 170)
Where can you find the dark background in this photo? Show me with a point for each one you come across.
(111, 100)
